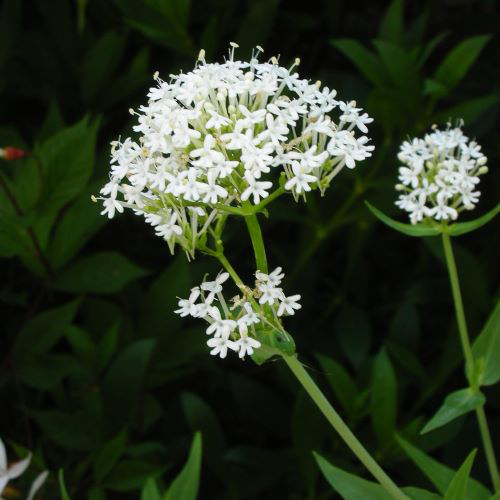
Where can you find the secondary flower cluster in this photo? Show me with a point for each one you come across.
(210, 141)
(440, 175)
(234, 327)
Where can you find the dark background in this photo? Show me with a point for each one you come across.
(91, 352)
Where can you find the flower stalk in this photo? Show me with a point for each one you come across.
(469, 359)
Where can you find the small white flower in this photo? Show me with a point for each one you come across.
(288, 305)
(188, 307)
(255, 188)
(215, 286)
(220, 345)
(246, 345)
(220, 327)
(301, 179)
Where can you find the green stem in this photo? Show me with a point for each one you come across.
(257, 242)
(339, 425)
(230, 269)
(469, 359)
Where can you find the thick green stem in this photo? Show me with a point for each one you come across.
(469, 359)
(344, 432)
(257, 242)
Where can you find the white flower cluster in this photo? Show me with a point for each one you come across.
(235, 327)
(440, 175)
(211, 138)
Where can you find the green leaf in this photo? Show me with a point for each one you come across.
(150, 490)
(349, 486)
(43, 331)
(418, 230)
(486, 349)
(202, 418)
(368, 63)
(62, 486)
(458, 61)
(341, 383)
(383, 398)
(392, 27)
(434, 88)
(77, 225)
(185, 485)
(469, 110)
(122, 383)
(273, 343)
(99, 64)
(455, 405)
(466, 227)
(109, 455)
(353, 330)
(105, 272)
(457, 489)
(420, 494)
(67, 160)
(130, 475)
(440, 475)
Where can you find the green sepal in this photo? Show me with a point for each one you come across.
(274, 343)
(417, 230)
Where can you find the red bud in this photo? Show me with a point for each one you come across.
(11, 153)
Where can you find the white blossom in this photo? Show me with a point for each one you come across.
(439, 175)
(220, 135)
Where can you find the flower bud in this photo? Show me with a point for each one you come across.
(11, 153)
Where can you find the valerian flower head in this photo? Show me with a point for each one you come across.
(228, 135)
(440, 175)
(235, 328)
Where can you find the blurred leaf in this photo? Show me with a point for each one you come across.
(457, 489)
(460, 228)
(67, 160)
(353, 331)
(78, 224)
(62, 486)
(486, 347)
(456, 404)
(109, 455)
(368, 64)
(420, 494)
(408, 229)
(383, 398)
(458, 61)
(392, 25)
(150, 490)
(428, 49)
(440, 475)
(105, 272)
(41, 333)
(185, 485)
(469, 110)
(435, 88)
(52, 123)
(130, 475)
(121, 385)
(45, 371)
(349, 486)
(341, 383)
(201, 417)
(99, 64)
(257, 23)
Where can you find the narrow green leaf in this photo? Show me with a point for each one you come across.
(122, 385)
(105, 272)
(366, 61)
(109, 455)
(420, 494)
(458, 61)
(418, 230)
(486, 348)
(185, 485)
(392, 27)
(469, 110)
(150, 490)
(458, 486)
(349, 486)
(440, 475)
(341, 383)
(383, 398)
(455, 405)
(62, 486)
(466, 227)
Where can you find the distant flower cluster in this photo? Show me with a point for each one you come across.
(440, 175)
(234, 326)
(212, 138)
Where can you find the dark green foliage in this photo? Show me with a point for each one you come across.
(101, 379)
